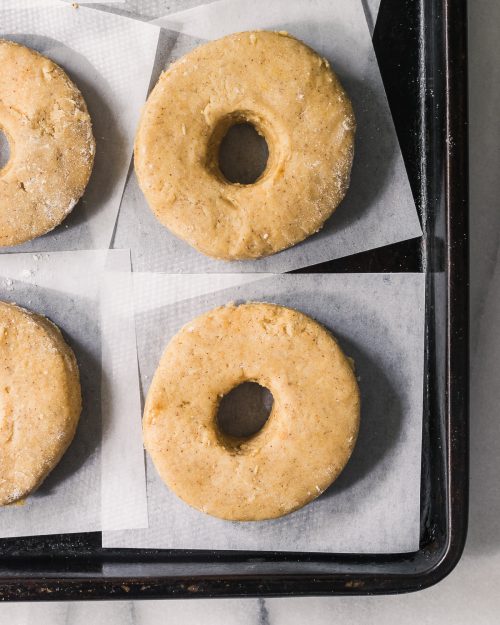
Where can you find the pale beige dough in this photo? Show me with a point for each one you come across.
(304, 444)
(48, 127)
(40, 400)
(292, 97)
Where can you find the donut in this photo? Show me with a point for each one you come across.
(47, 125)
(292, 98)
(307, 439)
(40, 400)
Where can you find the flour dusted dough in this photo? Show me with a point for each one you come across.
(52, 147)
(292, 97)
(307, 439)
(40, 400)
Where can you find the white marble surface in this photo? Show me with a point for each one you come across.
(470, 594)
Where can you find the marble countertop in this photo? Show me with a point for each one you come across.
(470, 594)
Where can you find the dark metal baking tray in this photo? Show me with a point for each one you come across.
(421, 49)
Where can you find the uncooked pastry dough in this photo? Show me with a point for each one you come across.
(48, 127)
(292, 97)
(304, 444)
(40, 400)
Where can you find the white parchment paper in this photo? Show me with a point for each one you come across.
(374, 506)
(147, 9)
(379, 208)
(16, 4)
(64, 286)
(124, 503)
(371, 8)
(110, 58)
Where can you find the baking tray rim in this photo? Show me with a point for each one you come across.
(440, 561)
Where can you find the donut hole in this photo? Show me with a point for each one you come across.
(243, 154)
(244, 411)
(4, 149)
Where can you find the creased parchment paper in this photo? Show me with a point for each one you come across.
(379, 208)
(371, 8)
(374, 506)
(64, 286)
(15, 4)
(124, 504)
(110, 58)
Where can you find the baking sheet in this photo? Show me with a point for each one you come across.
(375, 505)
(64, 286)
(379, 208)
(110, 58)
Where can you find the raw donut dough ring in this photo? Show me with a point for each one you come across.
(40, 400)
(304, 444)
(52, 148)
(291, 96)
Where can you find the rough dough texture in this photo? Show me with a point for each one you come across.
(293, 99)
(52, 147)
(40, 400)
(304, 444)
